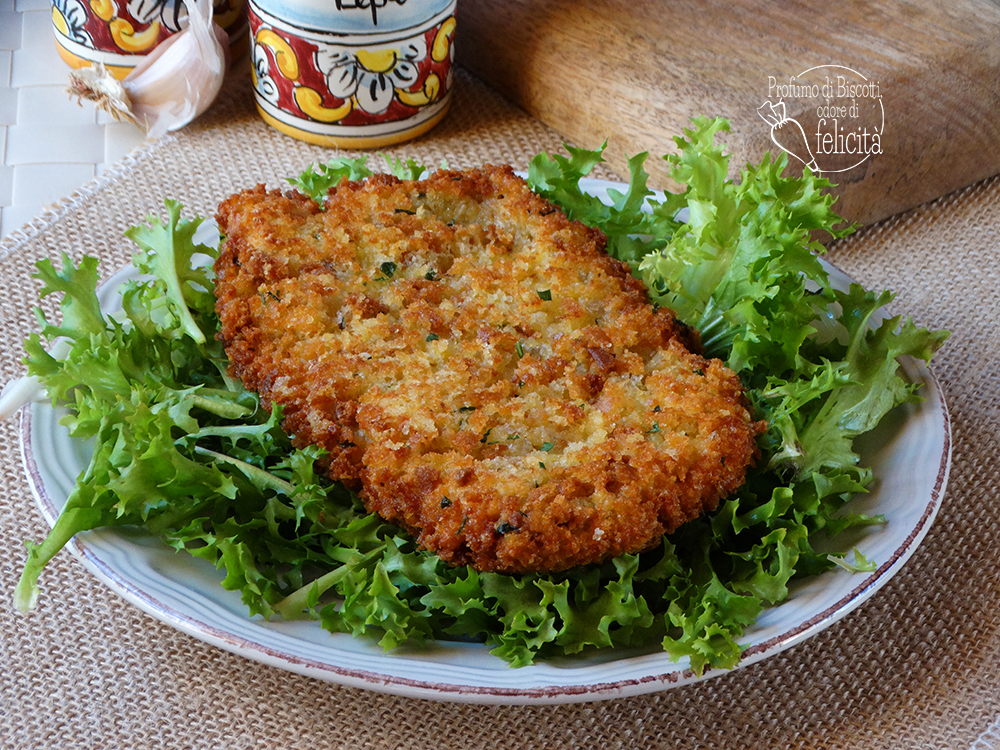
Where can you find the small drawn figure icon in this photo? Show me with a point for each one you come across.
(787, 133)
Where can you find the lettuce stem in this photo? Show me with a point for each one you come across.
(70, 522)
(258, 476)
(293, 605)
(222, 407)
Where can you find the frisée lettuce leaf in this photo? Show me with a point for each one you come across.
(743, 268)
(317, 180)
(184, 451)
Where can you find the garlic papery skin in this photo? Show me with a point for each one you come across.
(99, 86)
(181, 77)
(172, 85)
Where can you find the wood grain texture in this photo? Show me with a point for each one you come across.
(634, 71)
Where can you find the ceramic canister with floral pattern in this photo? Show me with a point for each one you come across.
(119, 33)
(352, 73)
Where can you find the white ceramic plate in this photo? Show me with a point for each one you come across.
(910, 454)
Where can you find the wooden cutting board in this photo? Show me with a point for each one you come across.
(634, 71)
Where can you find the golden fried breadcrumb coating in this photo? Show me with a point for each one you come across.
(478, 368)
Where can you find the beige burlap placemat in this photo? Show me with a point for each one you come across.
(918, 666)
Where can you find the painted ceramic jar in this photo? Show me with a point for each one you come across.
(119, 33)
(352, 73)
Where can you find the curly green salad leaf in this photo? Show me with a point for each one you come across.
(182, 450)
(319, 178)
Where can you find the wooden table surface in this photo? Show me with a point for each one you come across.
(634, 71)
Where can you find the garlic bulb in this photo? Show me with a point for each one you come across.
(173, 84)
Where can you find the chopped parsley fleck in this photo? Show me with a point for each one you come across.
(405, 211)
(388, 268)
(544, 294)
(515, 436)
(505, 527)
(467, 408)
(431, 275)
(432, 337)
(445, 502)
(520, 349)
(548, 446)
(486, 436)
(655, 428)
(541, 465)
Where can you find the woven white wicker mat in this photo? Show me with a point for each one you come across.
(50, 144)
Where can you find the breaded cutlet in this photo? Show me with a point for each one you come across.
(477, 368)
